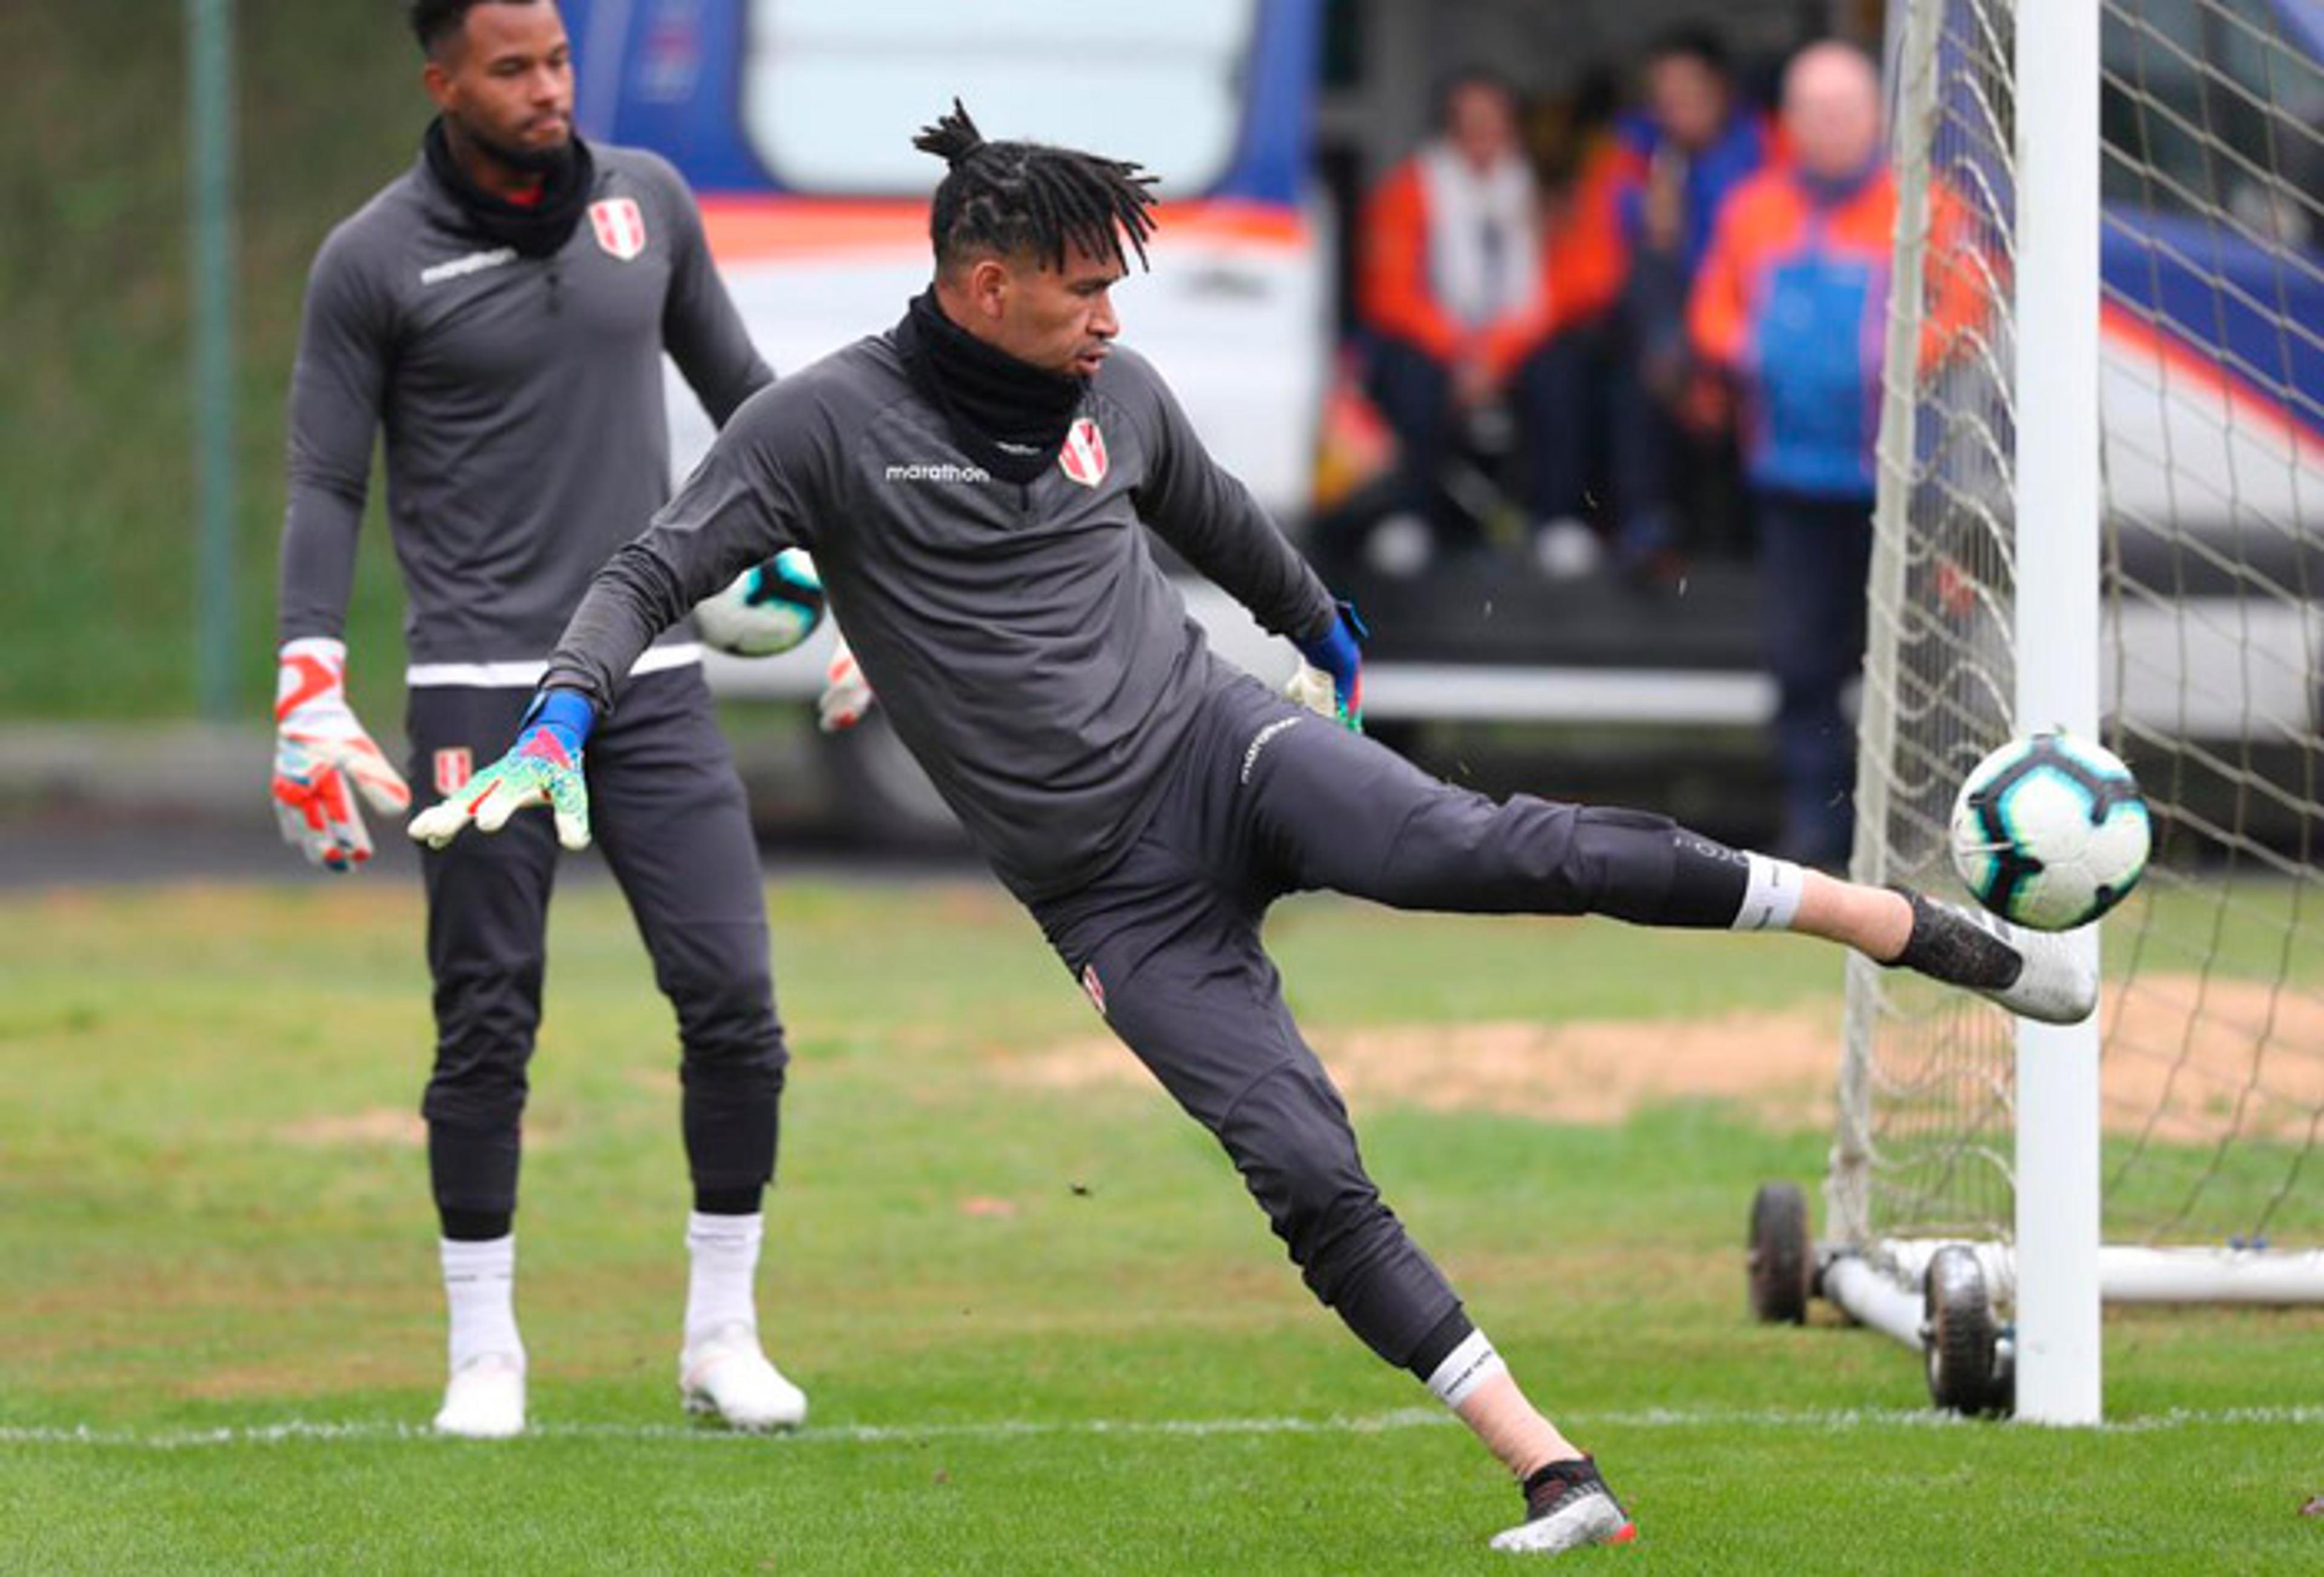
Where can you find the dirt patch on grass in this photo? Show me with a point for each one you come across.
(377, 1125)
(386, 1127)
(2203, 1054)
(304, 1377)
(1780, 1065)
(2214, 1057)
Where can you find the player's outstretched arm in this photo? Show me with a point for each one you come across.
(542, 768)
(1206, 514)
(323, 758)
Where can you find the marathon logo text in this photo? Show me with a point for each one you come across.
(462, 267)
(923, 471)
(1260, 741)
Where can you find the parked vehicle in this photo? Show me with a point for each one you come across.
(793, 120)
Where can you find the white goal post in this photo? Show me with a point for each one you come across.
(2101, 505)
(2059, 503)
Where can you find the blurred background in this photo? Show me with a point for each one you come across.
(1515, 452)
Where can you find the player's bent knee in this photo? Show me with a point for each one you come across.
(489, 1102)
(730, 1020)
(1290, 1139)
(758, 1069)
(1621, 861)
(1645, 868)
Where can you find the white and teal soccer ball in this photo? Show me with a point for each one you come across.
(769, 608)
(2051, 831)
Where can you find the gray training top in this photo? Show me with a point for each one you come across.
(527, 435)
(1022, 638)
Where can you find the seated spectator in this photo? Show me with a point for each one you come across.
(1450, 295)
(1676, 163)
(1578, 158)
(1792, 304)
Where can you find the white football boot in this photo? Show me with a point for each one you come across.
(485, 1400)
(725, 1376)
(2055, 986)
(1567, 1506)
(2035, 974)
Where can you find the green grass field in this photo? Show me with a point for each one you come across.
(1042, 1327)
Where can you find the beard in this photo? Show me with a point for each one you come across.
(546, 160)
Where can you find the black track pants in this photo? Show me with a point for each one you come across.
(667, 811)
(1268, 799)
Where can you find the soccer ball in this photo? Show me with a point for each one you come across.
(769, 608)
(2051, 831)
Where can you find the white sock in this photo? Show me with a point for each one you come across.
(725, 1254)
(1465, 1369)
(1771, 895)
(480, 1290)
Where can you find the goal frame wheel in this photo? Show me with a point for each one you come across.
(1782, 1264)
(2001, 1395)
(1959, 1337)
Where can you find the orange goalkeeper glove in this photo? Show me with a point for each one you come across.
(323, 758)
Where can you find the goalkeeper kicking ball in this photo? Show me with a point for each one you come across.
(2051, 831)
(769, 609)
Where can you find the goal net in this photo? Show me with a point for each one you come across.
(2212, 395)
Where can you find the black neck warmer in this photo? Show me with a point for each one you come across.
(1009, 415)
(536, 231)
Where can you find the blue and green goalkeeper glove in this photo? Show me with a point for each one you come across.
(1331, 678)
(542, 768)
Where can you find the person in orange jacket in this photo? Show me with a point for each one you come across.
(1454, 296)
(1791, 305)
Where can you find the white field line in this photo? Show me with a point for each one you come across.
(295, 1431)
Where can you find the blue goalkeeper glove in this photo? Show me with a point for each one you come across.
(542, 768)
(1336, 655)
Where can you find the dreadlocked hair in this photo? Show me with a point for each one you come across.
(1030, 197)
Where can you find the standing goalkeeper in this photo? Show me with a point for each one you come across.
(973, 484)
(502, 309)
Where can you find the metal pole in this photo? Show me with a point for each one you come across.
(209, 113)
(2059, 503)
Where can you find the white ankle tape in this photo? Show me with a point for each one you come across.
(479, 1296)
(730, 1232)
(1465, 1369)
(722, 1255)
(1771, 895)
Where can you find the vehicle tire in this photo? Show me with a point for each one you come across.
(1959, 1334)
(882, 797)
(1783, 1262)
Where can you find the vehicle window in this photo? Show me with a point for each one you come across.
(2209, 106)
(834, 89)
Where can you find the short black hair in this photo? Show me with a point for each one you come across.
(434, 21)
(1450, 85)
(1030, 197)
(1699, 44)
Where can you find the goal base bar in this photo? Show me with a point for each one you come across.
(2210, 1276)
(1881, 1288)
(1875, 1297)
